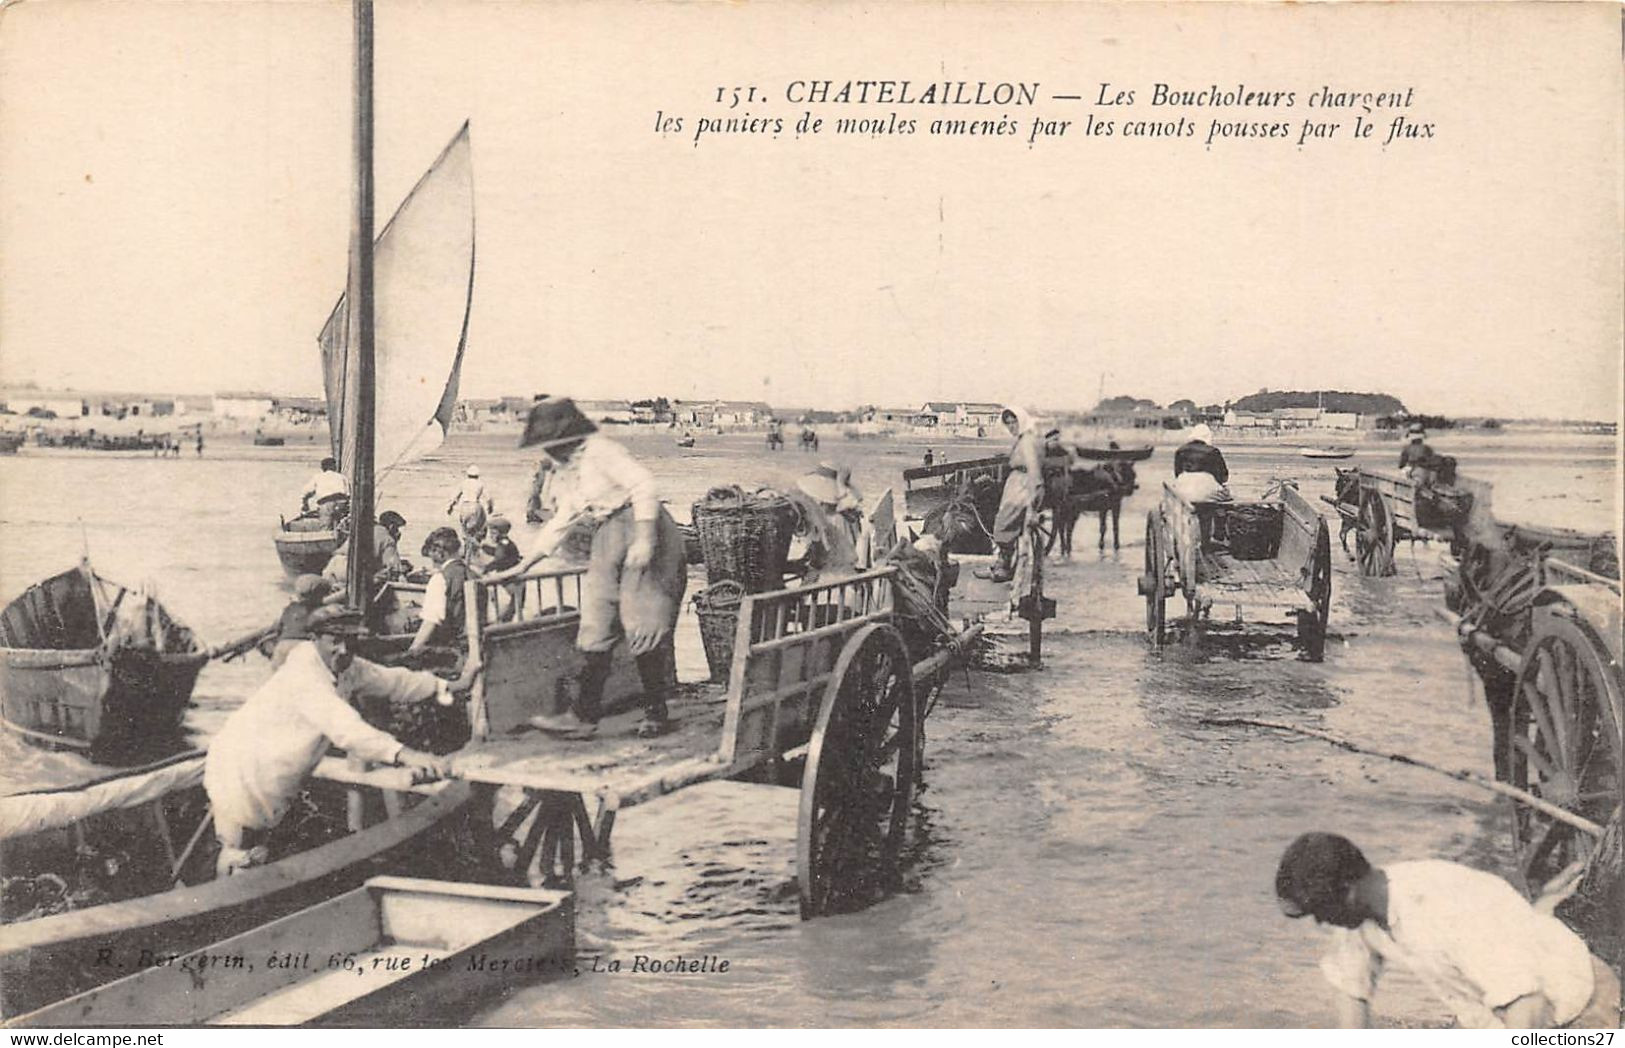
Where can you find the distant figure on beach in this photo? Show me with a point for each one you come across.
(199, 443)
(471, 506)
(1200, 472)
(1491, 957)
(930, 456)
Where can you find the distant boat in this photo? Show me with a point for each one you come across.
(1093, 453)
(1326, 453)
(685, 441)
(423, 290)
(261, 440)
(88, 664)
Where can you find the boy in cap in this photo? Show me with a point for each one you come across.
(497, 554)
(262, 756)
(443, 605)
(636, 570)
(1492, 958)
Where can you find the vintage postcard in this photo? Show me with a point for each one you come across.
(845, 514)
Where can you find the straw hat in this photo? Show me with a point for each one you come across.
(1416, 431)
(554, 422)
(828, 484)
(473, 471)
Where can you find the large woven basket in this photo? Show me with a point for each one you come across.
(1252, 531)
(745, 538)
(717, 608)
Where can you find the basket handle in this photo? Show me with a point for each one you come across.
(725, 495)
(726, 593)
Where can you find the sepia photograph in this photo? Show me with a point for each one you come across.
(545, 514)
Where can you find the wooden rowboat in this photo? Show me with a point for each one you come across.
(88, 664)
(396, 950)
(305, 547)
(1099, 454)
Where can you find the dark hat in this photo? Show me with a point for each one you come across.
(442, 538)
(335, 621)
(1052, 433)
(390, 519)
(553, 422)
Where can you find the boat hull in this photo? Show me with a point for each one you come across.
(1326, 453)
(1093, 454)
(382, 932)
(306, 552)
(47, 959)
(88, 664)
(83, 700)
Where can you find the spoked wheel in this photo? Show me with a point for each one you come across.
(1154, 584)
(859, 782)
(1312, 623)
(1374, 537)
(1565, 744)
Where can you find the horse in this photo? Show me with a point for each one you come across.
(1101, 490)
(775, 440)
(809, 439)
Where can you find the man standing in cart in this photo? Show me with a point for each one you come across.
(636, 571)
(1023, 493)
(1416, 458)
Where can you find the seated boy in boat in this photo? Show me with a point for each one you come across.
(269, 745)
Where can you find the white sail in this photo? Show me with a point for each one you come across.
(423, 288)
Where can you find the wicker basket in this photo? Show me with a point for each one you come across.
(717, 608)
(745, 538)
(1252, 531)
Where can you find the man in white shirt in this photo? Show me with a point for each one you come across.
(329, 491)
(636, 570)
(269, 745)
(1492, 958)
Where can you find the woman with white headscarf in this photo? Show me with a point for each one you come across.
(1023, 492)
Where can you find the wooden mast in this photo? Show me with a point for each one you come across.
(359, 407)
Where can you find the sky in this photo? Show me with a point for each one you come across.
(175, 196)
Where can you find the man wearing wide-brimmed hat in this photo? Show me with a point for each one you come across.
(260, 759)
(832, 535)
(636, 570)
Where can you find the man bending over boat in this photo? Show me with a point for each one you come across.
(1490, 956)
(269, 745)
(636, 569)
(330, 492)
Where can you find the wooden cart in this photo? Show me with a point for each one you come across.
(1541, 626)
(1188, 550)
(1383, 508)
(823, 691)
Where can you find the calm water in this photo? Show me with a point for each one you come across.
(1090, 854)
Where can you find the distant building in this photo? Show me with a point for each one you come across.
(61, 403)
(618, 412)
(962, 415)
(243, 406)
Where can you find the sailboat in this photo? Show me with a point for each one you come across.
(423, 291)
(164, 900)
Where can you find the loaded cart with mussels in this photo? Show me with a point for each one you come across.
(1385, 507)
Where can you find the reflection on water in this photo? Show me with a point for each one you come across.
(1088, 852)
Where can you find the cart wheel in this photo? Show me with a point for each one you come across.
(1312, 624)
(1374, 539)
(1155, 583)
(1565, 744)
(859, 782)
(1043, 533)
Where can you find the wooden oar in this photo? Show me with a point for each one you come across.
(1522, 796)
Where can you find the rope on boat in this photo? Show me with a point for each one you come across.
(1472, 778)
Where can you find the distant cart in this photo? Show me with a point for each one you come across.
(1384, 508)
(1272, 554)
(1538, 613)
